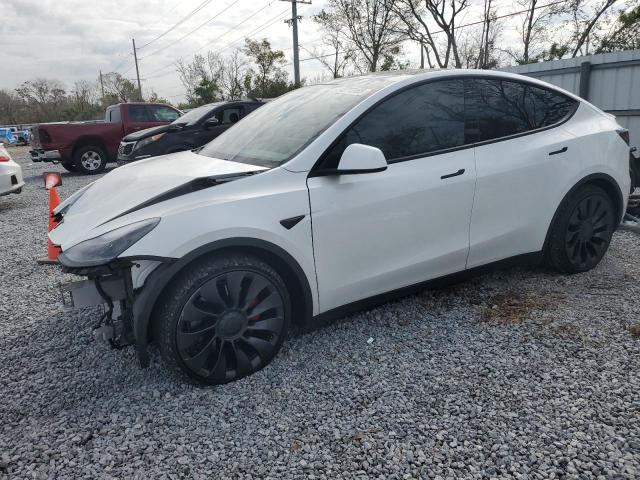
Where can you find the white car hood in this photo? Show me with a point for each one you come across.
(130, 186)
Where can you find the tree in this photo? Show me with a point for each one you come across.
(586, 18)
(371, 26)
(119, 89)
(333, 36)
(232, 78)
(535, 29)
(423, 20)
(206, 92)
(625, 34)
(270, 80)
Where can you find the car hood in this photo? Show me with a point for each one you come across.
(138, 185)
(147, 132)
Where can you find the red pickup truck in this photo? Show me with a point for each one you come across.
(87, 147)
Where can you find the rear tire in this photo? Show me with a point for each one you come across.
(223, 318)
(582, 230)
(90, 159)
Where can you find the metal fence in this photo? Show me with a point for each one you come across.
(611, 81)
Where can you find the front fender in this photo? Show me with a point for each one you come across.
(156, 283)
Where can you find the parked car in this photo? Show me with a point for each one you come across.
(87, 147)
(338, 196)
(192, 130)
(11, 180)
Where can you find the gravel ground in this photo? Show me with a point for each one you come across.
(514, 374)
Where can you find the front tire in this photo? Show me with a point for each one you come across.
(90, 159)
(224, 318)
(582, 230)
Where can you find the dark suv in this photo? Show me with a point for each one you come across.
(192, 130)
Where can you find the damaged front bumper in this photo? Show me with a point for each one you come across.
(111, 287)
(127, 291)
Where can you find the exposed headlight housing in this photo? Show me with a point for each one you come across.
(146, 141)
(106, 247)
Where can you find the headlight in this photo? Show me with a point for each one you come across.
(146, 141)
(106, 247)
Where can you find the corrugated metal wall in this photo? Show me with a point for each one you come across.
(611, 81)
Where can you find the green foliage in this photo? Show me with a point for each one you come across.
(206, 92)
(269, 79)
(625, 34)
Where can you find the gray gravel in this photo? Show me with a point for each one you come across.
(514, 374)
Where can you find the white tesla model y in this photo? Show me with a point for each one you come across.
(335, 196)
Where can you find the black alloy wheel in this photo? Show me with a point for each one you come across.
(589, 231)
(582, 230)
(227, 318)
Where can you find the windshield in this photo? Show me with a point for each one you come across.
(277, 131)
(193, 116)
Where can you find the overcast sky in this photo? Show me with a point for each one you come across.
(71, 40)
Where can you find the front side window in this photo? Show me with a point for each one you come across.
(277, 131)
(500, 108)
(160, 113)
(138, 114)
(421, 120)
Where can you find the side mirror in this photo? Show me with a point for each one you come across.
(211, 122)
(358, 158)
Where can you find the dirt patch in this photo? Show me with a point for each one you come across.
(513, 307)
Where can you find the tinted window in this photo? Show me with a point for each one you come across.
(138, 113)
(277, 131)
(423, 119)
(250, 107)
(162, 114)
(497, 108)
(229, 116)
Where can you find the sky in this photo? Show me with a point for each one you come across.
(72, 40)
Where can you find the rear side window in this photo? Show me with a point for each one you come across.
(497, 108)
(423, 119)
(113, 114)
(229, 116)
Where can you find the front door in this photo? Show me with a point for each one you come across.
(377, 232)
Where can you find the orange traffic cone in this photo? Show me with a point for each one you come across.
(51, 180)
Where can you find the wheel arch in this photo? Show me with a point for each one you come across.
(605, 182)
(161, 279)
(89, 140)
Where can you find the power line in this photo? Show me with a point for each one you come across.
(180, 22)
(236, 26)
(194, 30)
(152, 75)
(271, 21)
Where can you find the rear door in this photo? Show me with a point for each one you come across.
(377, 232)
(522, 158)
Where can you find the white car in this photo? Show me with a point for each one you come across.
(10, 174)
(336, 196)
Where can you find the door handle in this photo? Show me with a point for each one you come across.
(556, 152)
(459, 172)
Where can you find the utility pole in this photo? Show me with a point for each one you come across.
(293, 21)
(101, 86)
(135, 57)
